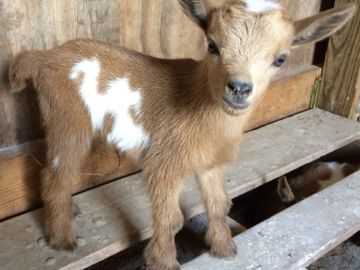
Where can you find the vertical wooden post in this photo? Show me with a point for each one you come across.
(340, 85)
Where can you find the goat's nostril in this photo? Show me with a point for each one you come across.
(240, 89)
(232, 86)
(246, 93)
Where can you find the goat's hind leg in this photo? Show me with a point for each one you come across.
(56, 196)
(217, 204)
(57, 181)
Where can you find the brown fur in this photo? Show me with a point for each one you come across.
(191, 128)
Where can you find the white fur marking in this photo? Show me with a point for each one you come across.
(117, 100)
(261, 6)
(332, 165)
(56, 162)
(137, 109)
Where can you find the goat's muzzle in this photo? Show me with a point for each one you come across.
(237, 94)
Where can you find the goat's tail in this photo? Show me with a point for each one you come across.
(23, 67)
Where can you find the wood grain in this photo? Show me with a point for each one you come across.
(20, 170)
(20, 166)
(286, 96)
(158, 28)
(298, 236)
(340, 84)
(117, 215)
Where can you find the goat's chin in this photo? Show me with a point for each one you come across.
(231, 111)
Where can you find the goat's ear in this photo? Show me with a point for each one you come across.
(197, 11)
(322, 25)
(284, 190)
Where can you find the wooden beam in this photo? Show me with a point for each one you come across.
(117, 215)
(158, 28)
(20, 166)
(298, 236)
(20, 169)
(288, 94)
(340, 84)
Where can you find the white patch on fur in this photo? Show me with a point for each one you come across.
(261, 6)
(336, 174)
(137, 109)
(125, 133)
(117, 100)
(332, 165)
(56, 162)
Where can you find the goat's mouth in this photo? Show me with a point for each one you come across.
(235, 104)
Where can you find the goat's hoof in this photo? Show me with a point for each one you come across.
(227, 250)
(63, 243)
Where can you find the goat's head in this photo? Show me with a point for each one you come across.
(248, 40)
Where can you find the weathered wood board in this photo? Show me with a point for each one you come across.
(288, 94)
(20, 171)
(158, 28)
(20, 167)
(117, 215)
(340, 82)
(298, 236)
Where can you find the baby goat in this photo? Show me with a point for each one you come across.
(177, 117)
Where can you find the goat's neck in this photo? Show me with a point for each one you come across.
(194, 87)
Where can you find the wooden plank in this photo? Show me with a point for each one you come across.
(236, 227)
(286, 96)
(299, 235)
(20, 167)
(158, 28)
(340, 84)
(302, 55)
(20, 170)
(117, 215)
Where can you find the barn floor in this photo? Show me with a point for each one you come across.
(345, 256)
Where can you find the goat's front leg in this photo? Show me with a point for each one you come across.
(168, 219)
(217, 204)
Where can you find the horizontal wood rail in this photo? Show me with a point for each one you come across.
(117, 215)
(20, 166)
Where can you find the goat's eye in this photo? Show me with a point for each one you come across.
(280, 60)
(213, 48)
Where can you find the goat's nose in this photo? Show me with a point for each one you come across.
(241, 89)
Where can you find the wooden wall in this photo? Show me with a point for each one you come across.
(155, 27)
(340, 82)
